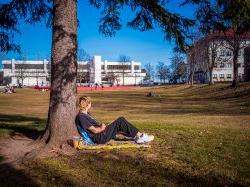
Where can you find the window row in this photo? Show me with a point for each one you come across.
(24, 66)
(228, 53)
(222, 76)
(226, 65)
(121, 67)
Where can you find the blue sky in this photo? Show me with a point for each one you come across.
(146, 47)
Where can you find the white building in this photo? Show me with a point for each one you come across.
(223, 67)
(30, 73)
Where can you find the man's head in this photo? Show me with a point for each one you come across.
(84, 103)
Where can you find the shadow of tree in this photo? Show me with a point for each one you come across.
(156, 174)
(9, 176)
(118, 169)
(30, 127)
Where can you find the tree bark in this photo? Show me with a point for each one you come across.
(191, 75)
(62, 107)
(192, 79)
(235, 82)
(211, 63)
(211, 82)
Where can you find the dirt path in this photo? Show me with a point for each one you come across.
(14, 149)
(12, 169)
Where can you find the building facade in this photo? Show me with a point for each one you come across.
(95, 71)
(201, 54)
(1, 77)
(26, 73)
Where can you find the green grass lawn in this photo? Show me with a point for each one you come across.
(202, 137)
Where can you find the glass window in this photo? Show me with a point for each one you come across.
(239, 65)
(29, 66)
(215, 65)
(222, 76)
(136, 67)
(228, 53)
(214, 76)
(82, 66)
(119, 67)
(222, 53)
(229, 76)
(222, 65)
(229, 65)
(7, 66)
(48, 66)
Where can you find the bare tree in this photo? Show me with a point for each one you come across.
(178, 67)
(82, 55)
(180, 72)
(163, 71)
(124, 59)
(37, 75)
(235, 43)
(111, 77)
(82, 74)
(1, 77)
(192, 60)
(210, 49)
(48, 78)
(210, 53)
(228, 20)
(21, 72)
(149, 71)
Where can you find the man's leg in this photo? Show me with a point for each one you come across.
(119, 125)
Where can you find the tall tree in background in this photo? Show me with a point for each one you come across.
(62, 15)
(236, 27)
(82, 55)
(82, 75)
(21, 72)
(208, 49)
(112, 78)
(229, 20)
(178, 67)
(191, 58)
(163, 71)
(149, 71)
(124, 59)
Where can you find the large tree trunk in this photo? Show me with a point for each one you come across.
(62, 107)
(235, 82)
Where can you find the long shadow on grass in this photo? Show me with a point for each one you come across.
(122, 170)
(30, 127)
(9, 176)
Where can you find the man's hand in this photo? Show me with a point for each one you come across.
(103, 126)
(97, 130)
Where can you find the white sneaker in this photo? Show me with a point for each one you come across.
(145, 138)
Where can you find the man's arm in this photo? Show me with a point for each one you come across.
(97, 130)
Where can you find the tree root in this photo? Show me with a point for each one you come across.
(42, 150)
